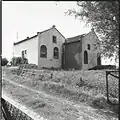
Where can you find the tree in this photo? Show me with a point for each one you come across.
(103, 16)
(4, 62)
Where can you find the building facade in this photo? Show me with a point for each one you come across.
(43, 49)
(49, 48)
(82, 51)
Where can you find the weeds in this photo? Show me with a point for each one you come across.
(89, 85)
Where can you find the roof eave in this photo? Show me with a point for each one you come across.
(60, 33)
(24, 40)
(72, 42)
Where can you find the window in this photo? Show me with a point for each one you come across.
(88, 46)
(25, 51)
(85, 57)
(54, 39)
(43, 51)
(56, 53)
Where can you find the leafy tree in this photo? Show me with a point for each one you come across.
(103, 16)
(4, 61)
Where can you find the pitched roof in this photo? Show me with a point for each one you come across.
(74, 39)
(60, 33)
(28, 38)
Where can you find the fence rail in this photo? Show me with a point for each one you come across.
(10, 112)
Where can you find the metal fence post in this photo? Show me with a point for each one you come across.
(107, 86)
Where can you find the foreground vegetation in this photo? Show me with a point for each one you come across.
(78, 86)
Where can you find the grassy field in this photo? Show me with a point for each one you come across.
(78, 86)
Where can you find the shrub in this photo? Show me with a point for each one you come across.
(100, 102)
(4, 61)
(19, 60)
(101, 67)
(25, 61)
(80, 83)
(30, 66)
(57, 80)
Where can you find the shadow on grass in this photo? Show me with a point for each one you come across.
(100, 103)
(103, 107)
(61, 91)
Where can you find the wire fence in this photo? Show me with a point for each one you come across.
(114, 74)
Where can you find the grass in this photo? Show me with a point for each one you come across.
(78, 86)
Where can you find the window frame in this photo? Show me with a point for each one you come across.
(25, 51)
(54, 39)
(43, 54)
(56, 53)
(85, 57)
(88, 46)
(23, 54)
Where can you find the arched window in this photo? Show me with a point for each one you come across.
(85, 57)
(43, 51)
(56, 53)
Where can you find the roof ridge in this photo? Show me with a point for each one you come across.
(77, 35)
(28, 38)
(15, 43)
(45, 30)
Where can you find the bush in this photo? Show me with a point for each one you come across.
(100, 102)
(80, 83)
(30, 66)
(101, 67)
(4, 62)
(19, 60)
(25, 61)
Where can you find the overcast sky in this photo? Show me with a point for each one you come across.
(28, 18)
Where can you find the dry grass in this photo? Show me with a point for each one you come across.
(78, 86)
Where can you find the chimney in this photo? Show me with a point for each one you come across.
(53, 26)
(38, 33)
(27, 37)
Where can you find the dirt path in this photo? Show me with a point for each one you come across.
(61, 109)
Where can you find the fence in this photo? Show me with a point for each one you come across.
(107, 86)
(10, 112)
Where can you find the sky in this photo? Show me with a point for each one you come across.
(29, 17)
